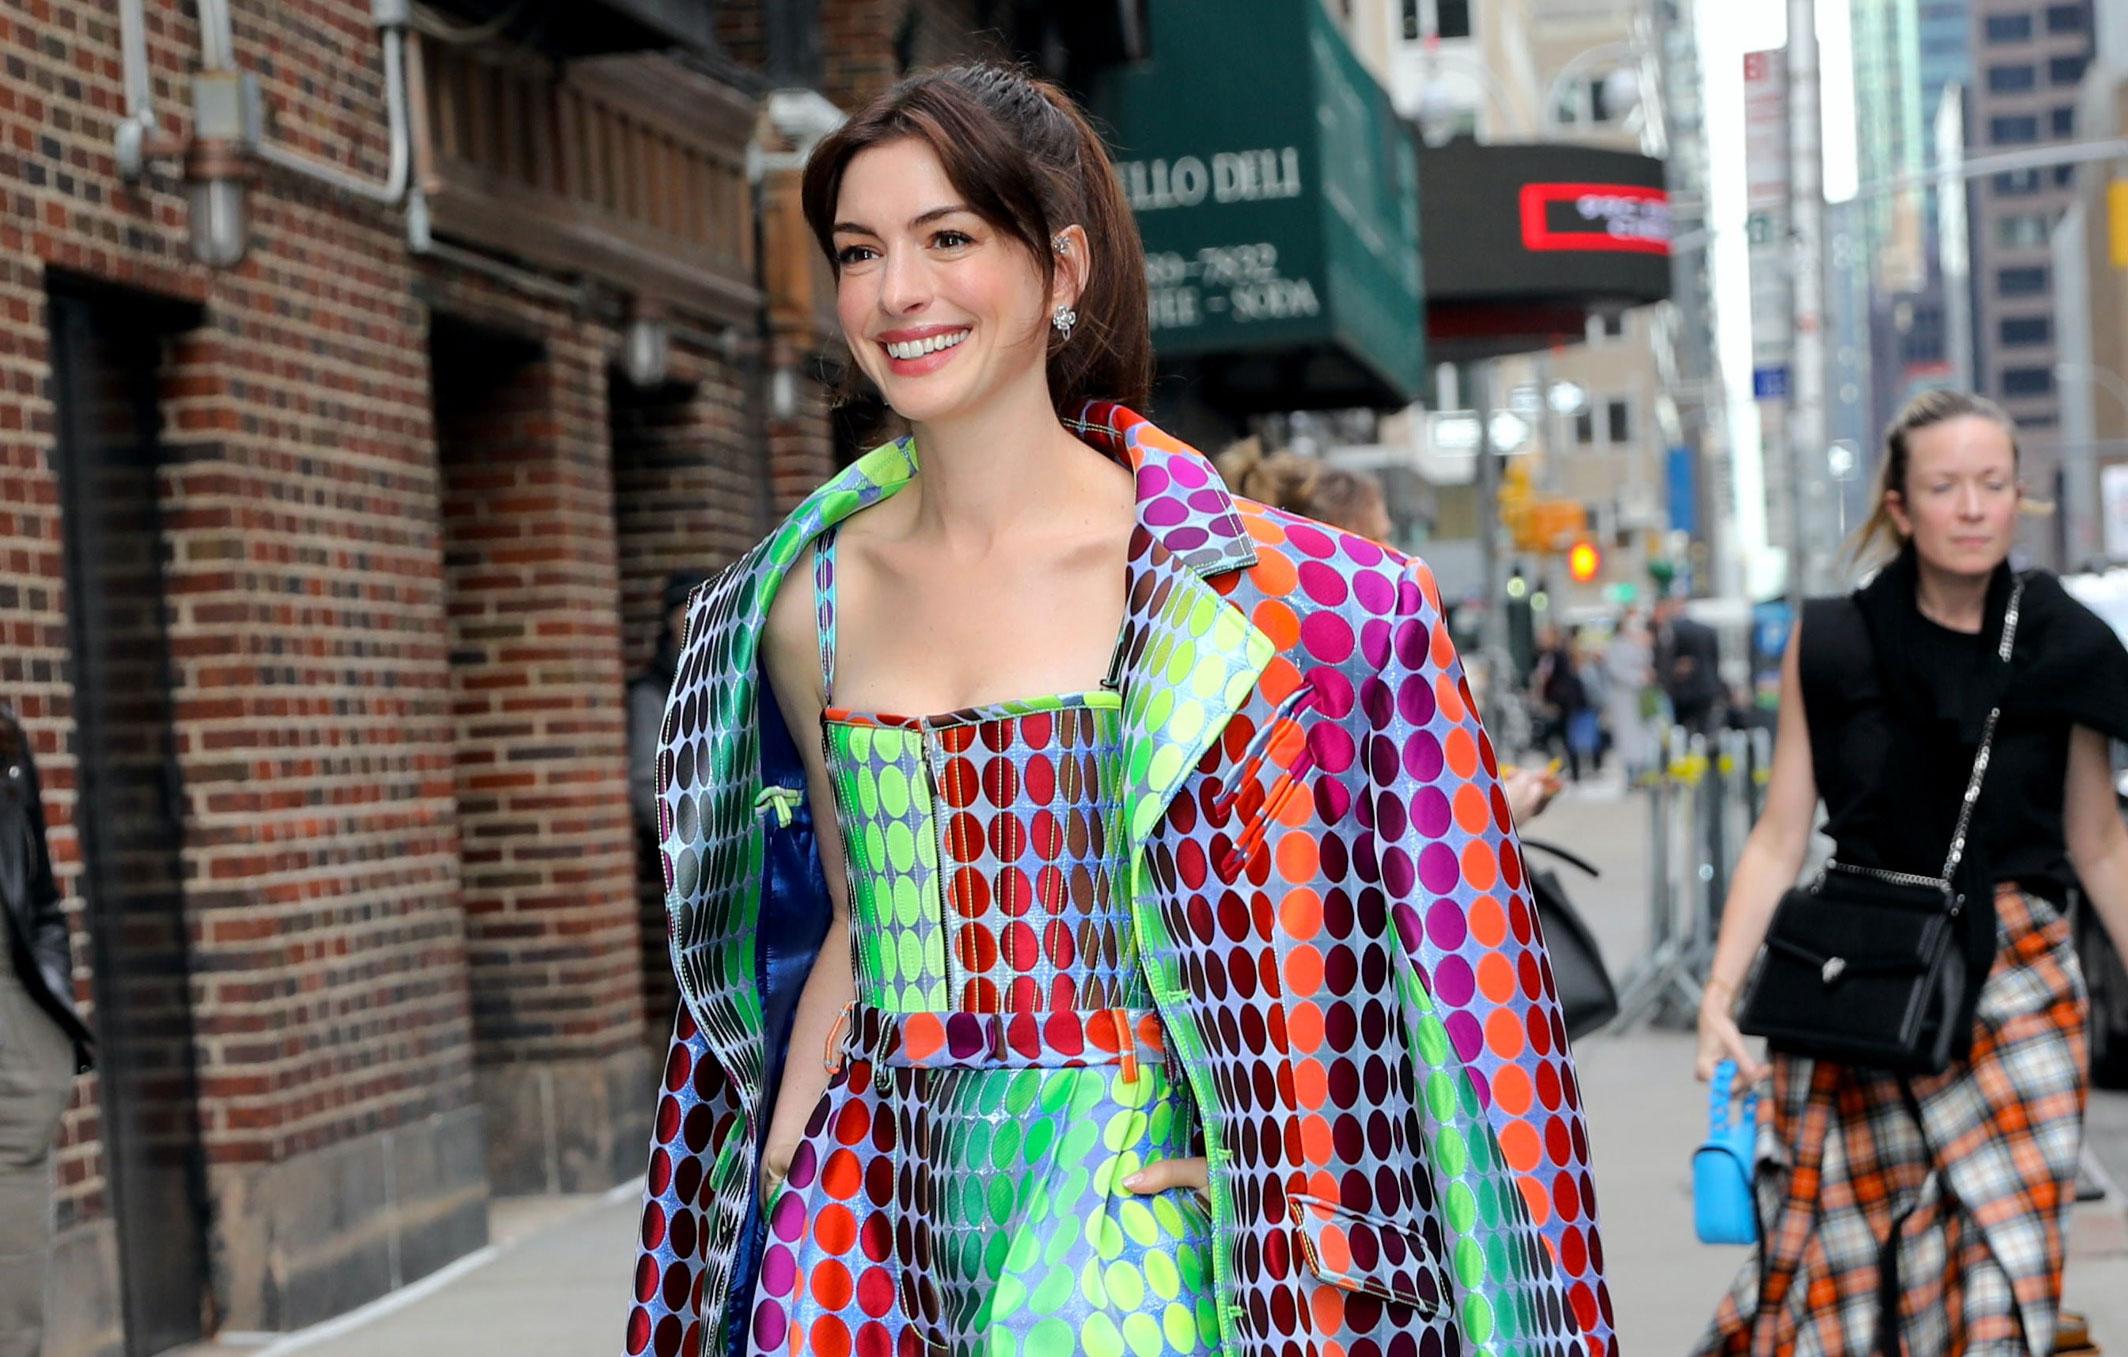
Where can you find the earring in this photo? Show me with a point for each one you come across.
(1063, 318)
(1062, 244)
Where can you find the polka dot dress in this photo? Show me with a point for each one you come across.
(958, 1189)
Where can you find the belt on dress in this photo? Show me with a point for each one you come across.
(950, 1039)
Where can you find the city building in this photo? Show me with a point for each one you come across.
(1596, 410)
(2028, 61)
(350, 446)
(348, 449)
(2090, 260)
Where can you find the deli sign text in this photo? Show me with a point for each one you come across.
(1252, 176)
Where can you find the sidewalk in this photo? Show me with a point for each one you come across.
(557, 1282)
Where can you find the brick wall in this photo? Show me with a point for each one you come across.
(863, 42)
(310, 685)
(400, 604)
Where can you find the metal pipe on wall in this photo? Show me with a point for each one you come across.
(133, 55)
(218, 53)
(399, 172)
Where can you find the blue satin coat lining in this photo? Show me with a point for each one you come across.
(787, 937)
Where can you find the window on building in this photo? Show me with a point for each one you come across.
(2026, 329)
(2023, 230)
(2012, 79)
(2063, 121)
(2017, 183)
(2009, 27)
(1582, 102)
(2027, 381)
(2021, 282)
(2070, 18)
(2013, 130)
(2065, 70)
(1618, 420)
(1452, 18)
(1585, 427)
(2065, 176)
(1412, 29)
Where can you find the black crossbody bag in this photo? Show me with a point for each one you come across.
(1869, 967)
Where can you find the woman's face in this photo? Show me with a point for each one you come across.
(943, 310)
(1961, 498)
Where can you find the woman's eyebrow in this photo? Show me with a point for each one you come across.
(920, 219)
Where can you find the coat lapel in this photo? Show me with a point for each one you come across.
(1190, 658)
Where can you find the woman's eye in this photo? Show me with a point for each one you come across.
(853, 254)
(953, 240)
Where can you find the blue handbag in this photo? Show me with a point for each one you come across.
(1724, 1208)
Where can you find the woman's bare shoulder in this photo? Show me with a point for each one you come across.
(790, 647)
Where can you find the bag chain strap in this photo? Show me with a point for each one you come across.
(1987, 743)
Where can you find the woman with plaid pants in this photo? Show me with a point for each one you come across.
(1927, 1214)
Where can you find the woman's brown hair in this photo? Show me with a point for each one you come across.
(1879, 533)
(1024, 159)
(1287, 480)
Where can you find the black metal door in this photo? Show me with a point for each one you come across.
(106, 352)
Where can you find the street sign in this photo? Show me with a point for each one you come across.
(1769, 383)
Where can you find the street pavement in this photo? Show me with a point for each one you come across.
(556, 1282)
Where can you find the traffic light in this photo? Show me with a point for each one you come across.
(1583, 562)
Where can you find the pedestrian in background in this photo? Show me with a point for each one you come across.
(1339, 496)
(43, 1043)
(1688, 664)
(646, 705)
(1562, 700)
(1629, 672)
(1926, 1214)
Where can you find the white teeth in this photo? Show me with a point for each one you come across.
(917, 348)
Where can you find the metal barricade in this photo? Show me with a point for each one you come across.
(1702, 802)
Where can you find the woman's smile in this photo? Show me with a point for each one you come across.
(915, 352)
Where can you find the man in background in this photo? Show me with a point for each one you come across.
(1688, 665)
(43, 1042)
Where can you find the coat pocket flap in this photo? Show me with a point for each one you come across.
(1355, 1251)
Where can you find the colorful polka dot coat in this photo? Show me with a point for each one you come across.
(1330, 908)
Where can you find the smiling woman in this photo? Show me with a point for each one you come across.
(1076, 943)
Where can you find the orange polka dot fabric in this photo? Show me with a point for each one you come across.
(1331, 921)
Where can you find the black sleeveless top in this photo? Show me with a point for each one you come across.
(1892, 742)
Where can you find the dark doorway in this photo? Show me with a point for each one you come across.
(107, 349)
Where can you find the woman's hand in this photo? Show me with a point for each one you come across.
(1162, 1174)
(1720, 1040)
(1528, 792)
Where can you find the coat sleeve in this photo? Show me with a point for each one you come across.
(1452, 872)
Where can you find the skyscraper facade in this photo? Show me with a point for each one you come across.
(2028, 59)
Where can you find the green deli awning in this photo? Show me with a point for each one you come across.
(1277, 192)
